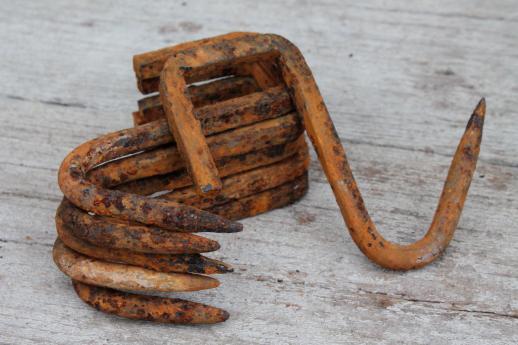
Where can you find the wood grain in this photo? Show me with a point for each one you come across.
(398, 80)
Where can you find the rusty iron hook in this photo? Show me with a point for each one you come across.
(239, 47)
(331, 153)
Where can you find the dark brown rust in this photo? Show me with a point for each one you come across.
(193, 64)
(236, 136)
(210, 58)
(245, 184)
(148, 66)
(188, 133)
(151, 308)
(180, 263)
(125, 277)
(226, 166)
(236, 209)
(102, 201)
(268, 200)
(112, 214)
(166, 159)
(245, 110)
(112, 232)
(150, 108)
(331, 153)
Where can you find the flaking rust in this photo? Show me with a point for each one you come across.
(151, 308)
(219, 138)
(134, 198)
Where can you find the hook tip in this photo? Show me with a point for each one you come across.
(480, 109)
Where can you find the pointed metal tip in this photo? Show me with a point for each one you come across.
(213, 246)
(235, 227)
(480, 109)
(224, 315)
(227, 269)
(226, 226)
(222, 267)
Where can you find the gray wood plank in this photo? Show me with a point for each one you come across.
(400, 81)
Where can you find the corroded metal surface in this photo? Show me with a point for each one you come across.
(182, 263)
(95, 198)
(226, 166)
(253, 205)
(223, 140)
(151, 308)
(112, 232)
(210, 59)
(150, 108)
(131, 198)
(125, 277)
(225, 145)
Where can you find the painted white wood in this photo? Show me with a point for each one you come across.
(400, 79)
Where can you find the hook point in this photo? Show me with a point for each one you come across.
(480, 109)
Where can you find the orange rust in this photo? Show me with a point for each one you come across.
(226, 166)
(331, 153)
(198, 63)
(102, 201)
(180, 263)
(165, 159)
(245, 184)
(211, 57)
(240, 110)
(256, 139)
(148, 66)
(187, 131)
(150, 308)
(447, 214)
(150, 108)
(114, 233)
(262, 202)
(266, 73)
(125, 277)
(238, 135)
(110, 232)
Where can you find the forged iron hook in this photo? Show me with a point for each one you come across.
(134, 197)
(206, 58)
(331, 153)
(447, 214)
(238, 47)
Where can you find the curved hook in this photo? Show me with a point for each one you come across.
(331, 153)
(218, 52)
(75, 185)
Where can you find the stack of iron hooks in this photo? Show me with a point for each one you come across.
(128, 220)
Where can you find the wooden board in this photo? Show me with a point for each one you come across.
(400, 80)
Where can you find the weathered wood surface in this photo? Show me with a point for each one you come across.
(400, 80)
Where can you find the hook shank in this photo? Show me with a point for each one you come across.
(331, 153)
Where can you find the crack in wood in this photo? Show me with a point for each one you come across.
(29, 196)
(452, 308)
(55, 102)
(27, 243)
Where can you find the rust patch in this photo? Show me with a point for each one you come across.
(252, 158)
(222, 141)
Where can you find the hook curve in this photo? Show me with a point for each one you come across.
(222, 51)
(331, 154)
